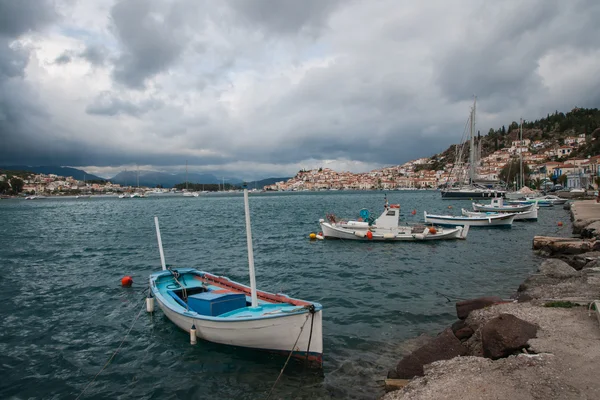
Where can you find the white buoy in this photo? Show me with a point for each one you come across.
(193, 335)
(150, 304)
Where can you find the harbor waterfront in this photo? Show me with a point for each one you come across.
(64, 312)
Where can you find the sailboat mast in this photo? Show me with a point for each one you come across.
(138, 176)
(186, 180)
(521, 173)
(250, 251)
(472, 145)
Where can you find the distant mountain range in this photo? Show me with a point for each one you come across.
(50, 169)
(167, 180)
(147, 178)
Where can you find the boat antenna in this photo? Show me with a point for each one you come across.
(250, 251)
(160, 247)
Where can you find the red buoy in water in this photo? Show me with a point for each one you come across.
(560, 224)
(413, 212)
(127, 281)
(369, 235)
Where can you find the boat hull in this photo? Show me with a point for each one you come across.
(531, 215)
(275, 334)
(330, 231)
(474, 220)
(508, 208)
(470, 195)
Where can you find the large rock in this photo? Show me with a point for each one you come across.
(591, 231)
(555, 268)
(560, 245)
(463, 308)
(505, 334)
(444, 347)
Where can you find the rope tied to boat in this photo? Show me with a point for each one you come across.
(293, 347)
(115, 352)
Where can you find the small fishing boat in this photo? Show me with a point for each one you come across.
(531, 215)
(537, 202)
(219, 310)
(550, 198)
(497, 205)
(498, 220)
(386, 228)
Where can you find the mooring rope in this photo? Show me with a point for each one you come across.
(288, 359)
(114, 354)
(449, 298)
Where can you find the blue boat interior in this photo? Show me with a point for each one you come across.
(210, 300)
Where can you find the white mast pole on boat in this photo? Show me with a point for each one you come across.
(160, 248)
(250, 251)
(521, 173)
(471, 147)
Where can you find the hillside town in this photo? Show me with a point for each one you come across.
(546, 161)
(54, 184)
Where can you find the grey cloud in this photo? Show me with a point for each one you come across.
(109, 104)
(500, 64)
(286, 16)
(19, 16)
(64, 58)
(152, 37)
(96, 55)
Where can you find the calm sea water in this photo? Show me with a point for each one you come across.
(63, 312)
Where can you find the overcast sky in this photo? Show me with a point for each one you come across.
(261, 88)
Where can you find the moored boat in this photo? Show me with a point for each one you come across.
(531, 215)
(549, 198)
(497, 205)
(497, 220)
(219, 310)
(387, 228)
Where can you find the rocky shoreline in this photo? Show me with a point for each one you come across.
(542, 344)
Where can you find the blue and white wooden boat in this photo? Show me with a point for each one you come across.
(531, 215)
(497, 205)
(218, 310)
(498, 220)
(537, 202)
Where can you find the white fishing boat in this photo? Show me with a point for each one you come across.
(216, 309)
(531, 215)
(496, 220)
(386, 228)
(497, 205)
(550, 198)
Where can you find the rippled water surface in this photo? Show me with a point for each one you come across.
(63, 312)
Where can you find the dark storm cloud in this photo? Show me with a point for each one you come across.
(20, 16)
(500, 64)
(152, 37)
(286, 16)
(109, 104)
(22, 118)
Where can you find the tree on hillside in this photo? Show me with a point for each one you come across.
(16, 184)
(4, 187)
(512, 170)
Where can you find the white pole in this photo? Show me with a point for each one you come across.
(160, 248)
(521, 172)
(250, 251)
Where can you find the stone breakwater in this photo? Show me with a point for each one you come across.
(542, 344)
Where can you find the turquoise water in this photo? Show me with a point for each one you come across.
(64, 313)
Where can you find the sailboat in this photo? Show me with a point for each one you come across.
(138, 194)
(472, 190)
(187, 193)
(523, 191)
(217, 309)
